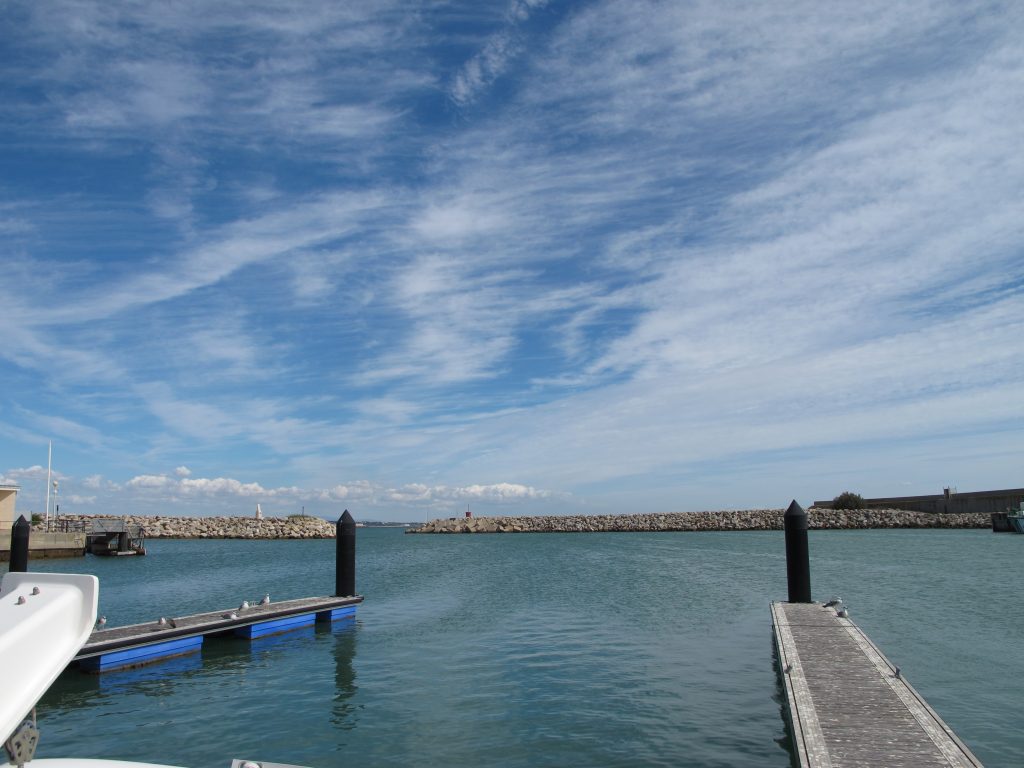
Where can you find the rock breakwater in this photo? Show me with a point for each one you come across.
(744, 520)
(167, 527)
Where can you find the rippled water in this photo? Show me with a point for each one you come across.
(537, 649)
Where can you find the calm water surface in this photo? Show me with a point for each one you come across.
(537, 649)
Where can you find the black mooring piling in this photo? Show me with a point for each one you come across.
(19, 546)
(345, 563)
(798, 563)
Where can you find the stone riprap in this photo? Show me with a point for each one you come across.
(166, 527)
(745, 520)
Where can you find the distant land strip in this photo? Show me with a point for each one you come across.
(744, 520)
(308, 527)
(171, 527)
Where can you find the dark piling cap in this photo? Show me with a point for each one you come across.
(21, 528)
(19, 546)
(795, 517)
(346, 524)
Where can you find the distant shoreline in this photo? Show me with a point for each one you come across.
(221, 527)
(741, 520)
(308, 527)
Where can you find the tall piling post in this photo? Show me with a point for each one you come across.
(798, 562)
(345, 554)
(19, 546)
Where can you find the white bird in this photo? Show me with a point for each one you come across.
(101, 622)
(231, 615)
(244, 605)
(162, 622)
(265, 600)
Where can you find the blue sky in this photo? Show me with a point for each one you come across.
(533, 257)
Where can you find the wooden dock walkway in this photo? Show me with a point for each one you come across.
(136, 644)
(847, 704)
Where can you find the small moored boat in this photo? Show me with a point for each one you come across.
(1015, 517)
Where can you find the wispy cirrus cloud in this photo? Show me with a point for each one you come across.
(569, 247)
(494, 56)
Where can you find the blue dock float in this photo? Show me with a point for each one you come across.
(278, 625)
(134, 657)
(138, 644)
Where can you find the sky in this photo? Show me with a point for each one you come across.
(524, 257)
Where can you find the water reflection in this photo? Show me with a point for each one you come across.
(344, 713)
(151, 679)
(219, 656)
(784, 741)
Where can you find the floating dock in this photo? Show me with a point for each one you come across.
(847, 704)
(114, 537)
(138, 644)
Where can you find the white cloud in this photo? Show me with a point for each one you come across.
(224, 492)
(34, 472)
(457, 220)
(151, 92)
(497, 52)
(183, 471)
(149, 481)
(220, 485)
(507, 492)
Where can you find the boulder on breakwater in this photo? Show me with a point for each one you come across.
(743, 520)
(168, 527)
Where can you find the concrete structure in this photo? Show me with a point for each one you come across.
(949, 502)
(42, 544)
(8, 495)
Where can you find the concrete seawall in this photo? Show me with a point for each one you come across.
(166, 527)
(745, 520)
(42, 544)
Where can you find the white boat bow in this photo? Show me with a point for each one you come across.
(45, 618)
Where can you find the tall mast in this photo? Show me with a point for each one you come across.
(49, 467)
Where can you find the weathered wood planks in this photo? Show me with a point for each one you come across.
(846, 705)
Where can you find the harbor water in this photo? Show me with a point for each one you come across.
(594, 650)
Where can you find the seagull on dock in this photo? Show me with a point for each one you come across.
(265, 600)
(101, 622)
(231, 615)
(834, 602)
(244, 605)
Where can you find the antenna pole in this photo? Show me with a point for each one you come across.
(49, 467)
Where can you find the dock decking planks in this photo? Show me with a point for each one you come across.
(134, 635)
(847, 708)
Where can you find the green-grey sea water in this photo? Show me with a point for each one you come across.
(595, 650)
